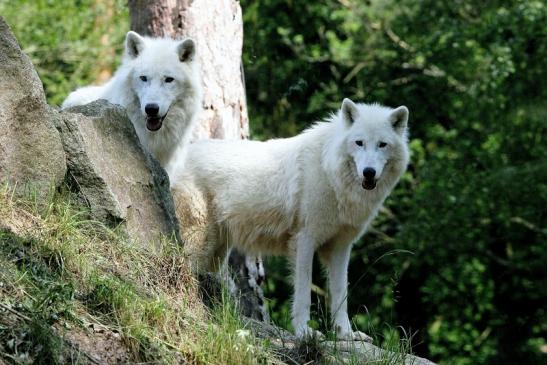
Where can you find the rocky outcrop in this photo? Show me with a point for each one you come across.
(31, 153)
(119, 180)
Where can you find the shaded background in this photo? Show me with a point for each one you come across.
(457, 260)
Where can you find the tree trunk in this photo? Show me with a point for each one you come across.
(217, 28)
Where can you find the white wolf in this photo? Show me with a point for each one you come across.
(317, 191)
(159, 85)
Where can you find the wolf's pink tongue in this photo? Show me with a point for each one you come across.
(153, 124)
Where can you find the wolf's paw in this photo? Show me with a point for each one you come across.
(355, 336)
(308, 333)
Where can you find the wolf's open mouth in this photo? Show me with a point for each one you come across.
(154, 123)
(368, 184)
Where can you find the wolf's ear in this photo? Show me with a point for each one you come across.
(349, 111)
(134, 44)
(186, 50)
(399, 119)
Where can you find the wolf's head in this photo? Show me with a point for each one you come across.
(376, 140)
(162, 72)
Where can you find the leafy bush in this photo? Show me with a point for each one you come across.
(71, 43)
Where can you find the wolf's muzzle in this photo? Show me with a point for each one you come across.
(369, 178)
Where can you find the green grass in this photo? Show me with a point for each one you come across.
(61, 267)
(60, 270)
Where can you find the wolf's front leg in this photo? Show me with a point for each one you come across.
(305, 248)
(337, 263)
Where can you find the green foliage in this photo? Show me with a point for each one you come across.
(69, 42)
(33, 338)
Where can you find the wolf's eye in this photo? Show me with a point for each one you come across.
(382, 144)
(359, 143)
(169, 79)
(143, 78)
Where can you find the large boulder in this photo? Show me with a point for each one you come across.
(119, 180)
(31, 152)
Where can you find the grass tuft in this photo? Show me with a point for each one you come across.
(67, 270)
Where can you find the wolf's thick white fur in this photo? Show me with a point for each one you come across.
(293, 197)
(159, 71)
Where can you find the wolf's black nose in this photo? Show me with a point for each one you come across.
(152, 110)
(369, 173)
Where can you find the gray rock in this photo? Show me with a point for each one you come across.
(317, 350)
(119, 180)
(31, 153)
